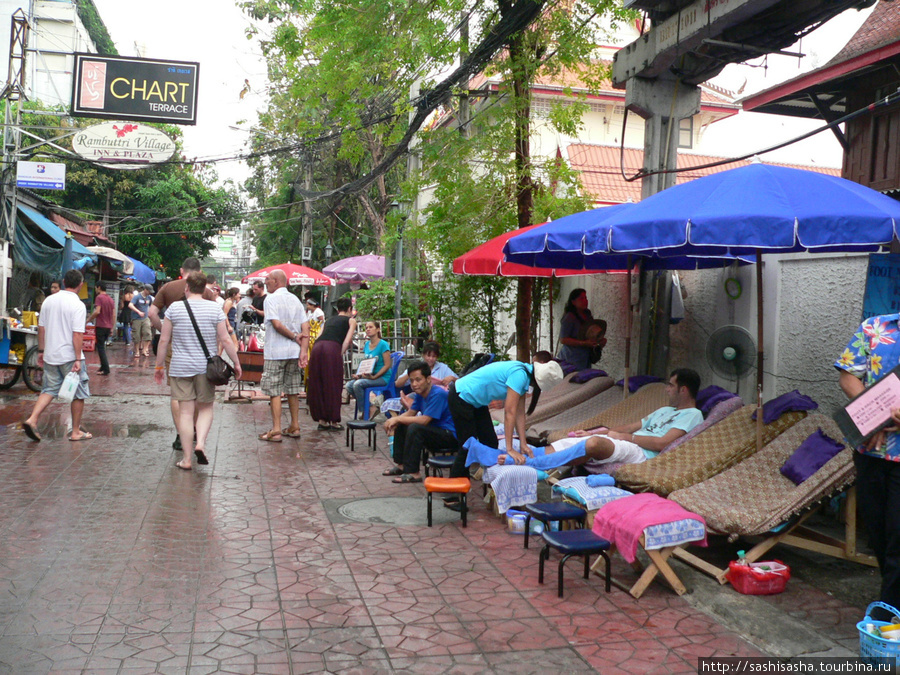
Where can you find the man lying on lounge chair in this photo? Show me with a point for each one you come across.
(630, 443)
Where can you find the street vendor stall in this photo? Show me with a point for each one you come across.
(18, 354)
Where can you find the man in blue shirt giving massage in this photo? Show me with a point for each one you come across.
(427, 424)
(639, 441)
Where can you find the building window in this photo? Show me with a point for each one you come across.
(686, 133)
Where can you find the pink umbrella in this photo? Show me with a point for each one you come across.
(297, 275)
(356, 269)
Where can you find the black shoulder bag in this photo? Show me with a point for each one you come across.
(218, 371)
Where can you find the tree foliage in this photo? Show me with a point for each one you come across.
(159, 215)
(345, 77)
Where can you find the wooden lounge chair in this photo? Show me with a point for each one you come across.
(632, 409)
(716, 449)
(753, 498)
(563, 396)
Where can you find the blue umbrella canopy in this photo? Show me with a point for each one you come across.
(753, 208)
(581, 241)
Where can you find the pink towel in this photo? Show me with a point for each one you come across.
(623, 521)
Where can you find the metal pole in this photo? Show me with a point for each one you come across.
(759, 349)
(398, 278)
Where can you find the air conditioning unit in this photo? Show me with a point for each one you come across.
(307, 252)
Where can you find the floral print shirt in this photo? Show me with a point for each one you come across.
(873, 352)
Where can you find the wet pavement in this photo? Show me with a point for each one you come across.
(114, 561)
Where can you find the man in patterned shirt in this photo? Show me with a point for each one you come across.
(873, 352)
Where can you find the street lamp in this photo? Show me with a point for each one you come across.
(398, 263)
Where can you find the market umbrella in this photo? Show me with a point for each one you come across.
(297, 275)
(356, 269)
(114, 255)
(747, 211)
(488, 260)
(141, 272)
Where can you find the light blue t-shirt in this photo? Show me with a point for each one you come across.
(377, 353)
(435, 406)
(142, 303)
(490, 382)
(662, 421)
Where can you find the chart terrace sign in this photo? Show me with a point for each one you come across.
(123, 145)
(118, 87)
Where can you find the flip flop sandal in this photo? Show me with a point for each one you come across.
(337, 427)
(183, 468)
(270, 437)
(407, 478)
(85, 436)
(323, 427)
(392, 472)
(201, 457)
(290, 434)
(31, 432)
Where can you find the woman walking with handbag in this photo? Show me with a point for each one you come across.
(193, 327)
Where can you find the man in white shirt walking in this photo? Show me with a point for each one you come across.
(286, 351)
(60, 335)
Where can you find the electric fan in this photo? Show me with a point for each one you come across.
(731, 352)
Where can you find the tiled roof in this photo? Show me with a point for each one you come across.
(602, 178)
(880, 29)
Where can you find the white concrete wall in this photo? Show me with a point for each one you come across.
(812, 305)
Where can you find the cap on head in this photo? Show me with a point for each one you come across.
(548, 375)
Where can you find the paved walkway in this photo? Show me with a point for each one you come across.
(114, 561)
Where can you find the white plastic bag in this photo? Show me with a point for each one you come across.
(69, 387)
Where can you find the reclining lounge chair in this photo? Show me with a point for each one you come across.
(716, 449)
(755, 499)
(565, 395)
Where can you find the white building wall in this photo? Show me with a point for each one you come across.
(55, 27)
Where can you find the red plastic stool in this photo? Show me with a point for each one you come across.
(460, 486)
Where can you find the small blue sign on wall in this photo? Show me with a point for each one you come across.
(882, 285)
(41, 175)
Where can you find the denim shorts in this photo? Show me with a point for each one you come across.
(54, 376)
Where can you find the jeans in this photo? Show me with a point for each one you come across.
(411, 439)
(878, 492)
(102, 337)
(357, 389)
(469, 421)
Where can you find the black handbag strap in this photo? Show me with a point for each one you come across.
(196, 328)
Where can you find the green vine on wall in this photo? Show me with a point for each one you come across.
(95, 27)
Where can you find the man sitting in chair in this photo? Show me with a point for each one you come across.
(427, 424)
(637, 442)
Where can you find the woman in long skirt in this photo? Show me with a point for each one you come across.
(326, 368)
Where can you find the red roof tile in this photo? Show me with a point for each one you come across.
(602, 178)
(880, 29)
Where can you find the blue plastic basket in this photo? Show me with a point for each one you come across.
(871, 646)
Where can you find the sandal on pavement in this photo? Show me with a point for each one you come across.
(31, 432)
(290, 434)
(407, 478)
(181, 466)
(323, 427)
(201, 457)
(337, 426)
(396, 471)
(85, 436)
(270, 436)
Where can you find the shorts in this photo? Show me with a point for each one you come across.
(54, 376)
(279, 377)
(624, 452)
(141, 330)
(196, 388)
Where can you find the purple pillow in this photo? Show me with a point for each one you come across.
(567, 367)
(705, 394)
(712, 401)
(587, 375)
(635, 382)
(793, 400)
(811, 456)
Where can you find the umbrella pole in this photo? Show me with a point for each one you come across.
(759, 350)
(627, 324)
(550, 293)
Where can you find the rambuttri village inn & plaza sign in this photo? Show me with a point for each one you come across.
(123, 145)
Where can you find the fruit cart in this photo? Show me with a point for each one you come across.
(19, 354)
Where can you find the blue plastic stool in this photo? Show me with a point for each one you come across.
(439, 463)
(574, 542)
(552, 512)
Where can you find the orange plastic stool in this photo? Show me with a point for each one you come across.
(460, 486)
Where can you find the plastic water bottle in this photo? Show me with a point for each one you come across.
(391, 445)
(742, 557)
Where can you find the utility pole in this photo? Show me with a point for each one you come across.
(13, 92)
